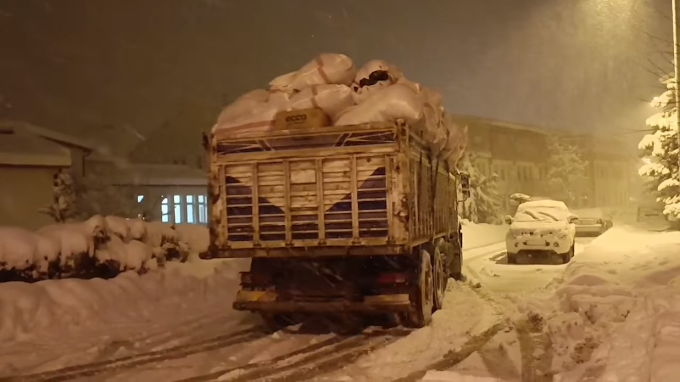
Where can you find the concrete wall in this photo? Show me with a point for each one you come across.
(23, 191)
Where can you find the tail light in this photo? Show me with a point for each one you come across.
(393, 278)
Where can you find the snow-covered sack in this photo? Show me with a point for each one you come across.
(376, 92)
(252, 112)
(389, 103)
(332, 99)
(325, 69)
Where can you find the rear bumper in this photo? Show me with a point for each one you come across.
(593, 228)
(267, 301)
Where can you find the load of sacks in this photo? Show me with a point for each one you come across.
(376, 92)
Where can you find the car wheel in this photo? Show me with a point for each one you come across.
(512, 258)
(566, 257)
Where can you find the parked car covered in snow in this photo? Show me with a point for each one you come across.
(592, 221)
(542, 227)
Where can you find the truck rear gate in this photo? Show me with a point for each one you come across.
(306, 204)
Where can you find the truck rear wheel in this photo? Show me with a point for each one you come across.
(441, 274)
(421, 313)
(455, 258)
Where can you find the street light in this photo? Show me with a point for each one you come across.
(676, 67)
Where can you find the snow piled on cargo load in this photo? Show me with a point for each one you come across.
(615, 312)
(72, 307)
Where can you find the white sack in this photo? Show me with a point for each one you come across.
(457, 143)
(282, 82)
(392, 103)
(370, 67)
(361, 93)
(254, 116)
(327, 68)
(432, 111)
(332, 99)
(242, 105)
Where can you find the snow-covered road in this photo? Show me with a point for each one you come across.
(505, 323)
(488, 265)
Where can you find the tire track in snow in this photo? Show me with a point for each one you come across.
(317, 359)
(536, 350)
(454, 357)
(181, 351)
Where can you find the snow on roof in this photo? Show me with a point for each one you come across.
(19, 147)
(48, 134)
(159, 175)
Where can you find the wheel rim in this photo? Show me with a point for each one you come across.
(439, 278)
(427, 290)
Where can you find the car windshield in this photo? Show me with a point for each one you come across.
(543, 214)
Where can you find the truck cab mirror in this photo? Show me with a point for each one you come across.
(507, 219)
(465, 185)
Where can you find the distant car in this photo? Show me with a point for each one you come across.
(592, 222)
(542, 227)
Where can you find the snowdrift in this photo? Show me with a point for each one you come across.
(618, 308)
(98, 247)
(76, 306)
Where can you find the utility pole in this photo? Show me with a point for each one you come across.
(676, 66)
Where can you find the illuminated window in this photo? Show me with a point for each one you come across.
(202, 209)
(165, 210)
(191, 217)
(177, 201)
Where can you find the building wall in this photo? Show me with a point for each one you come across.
(23, 191)
(518, 155)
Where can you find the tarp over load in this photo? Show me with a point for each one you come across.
(376, 92)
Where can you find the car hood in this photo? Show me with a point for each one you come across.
(537, 228)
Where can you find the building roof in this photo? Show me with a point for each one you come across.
(19, 147)
(463, 119)
(157, 175)
(46, 133)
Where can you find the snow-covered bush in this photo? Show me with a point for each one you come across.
(98, 247)
(63, 208)
(483, 205)
(660, 150)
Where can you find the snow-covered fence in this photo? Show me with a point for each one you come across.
(98, 247)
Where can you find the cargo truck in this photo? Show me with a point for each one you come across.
(343, 219)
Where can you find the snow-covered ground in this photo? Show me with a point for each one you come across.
(611, 314)
(481, 235)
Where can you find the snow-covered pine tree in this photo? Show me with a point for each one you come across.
(660, 150)
(483, 205)
(63, 207)
(567, 180)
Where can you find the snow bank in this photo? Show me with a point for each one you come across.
(74, 306)
(97, 247)
(480, 235)
(618, 308)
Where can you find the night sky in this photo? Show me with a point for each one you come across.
(161, 69)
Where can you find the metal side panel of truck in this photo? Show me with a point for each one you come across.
(335, 219)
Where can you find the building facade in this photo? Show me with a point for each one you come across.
(30, 157)
(518, 155)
